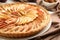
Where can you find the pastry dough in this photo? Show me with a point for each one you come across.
(22, 19)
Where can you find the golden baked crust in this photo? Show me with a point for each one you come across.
(27, 29)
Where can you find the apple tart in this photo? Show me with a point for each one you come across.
(22, 19)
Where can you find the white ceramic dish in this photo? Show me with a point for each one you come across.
(49, 5)
(39, 34)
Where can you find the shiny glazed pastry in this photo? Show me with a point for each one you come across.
(22, 19)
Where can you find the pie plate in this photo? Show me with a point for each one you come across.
(26, 38)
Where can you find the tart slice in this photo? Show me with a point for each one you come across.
(22, 19)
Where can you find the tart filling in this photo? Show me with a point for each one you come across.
(19, 14)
